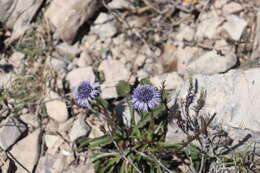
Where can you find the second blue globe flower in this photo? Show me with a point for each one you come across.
(146, 97)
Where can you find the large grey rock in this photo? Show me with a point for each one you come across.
(27, 151)
(80, 74)
(104, 26)
(51, 163)
(17, 14)
(114, 71)
(67, 16)
(56, 108)
(235, 26)
(10, 131)
(212, 63)
(235, 99)
(80, 128)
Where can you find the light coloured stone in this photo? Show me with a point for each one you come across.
(234, 97)
(79, 129)
(220, 3)
(80, 74)
(232, 7)
(11, 130)
(120, 4)
(51, 163)
(59, 66)
(114, 71)
(84, 59)
(96, 127)
(212, 63)
(16, 59)
(172, 80)
(186, 33)
(30, 119)
(184, 56)
(56, 108)
(68, 16)
(209, 25)
(108, 92)
(140, 60)
(168, 52)
(65, 49)
(26, 151)
(141, 74)
(17, 15)
(235, 26)
(51, 140)
(104, 26)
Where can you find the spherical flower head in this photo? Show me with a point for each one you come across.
(85, 92)
(146, 97)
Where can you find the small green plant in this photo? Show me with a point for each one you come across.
(140, 147)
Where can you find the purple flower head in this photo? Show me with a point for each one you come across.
(85, 92)
(145, 97)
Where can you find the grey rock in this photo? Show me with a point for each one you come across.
(10, 131)
(234, 97)
(211, 63)
(56, 108)
(104, 26)
(234, 26)
(30, 120)
(108, 92)
(27, 150)
(114, 71)
(209, 26)
(84, 59)
(172, 80)
(16, 59)
(80, 128)
(59, 66)
(17, 15)
(66, 50)
(186, 33)
(232, 7)
(120, 4)
(67, 17)
(80, 74)
(51, 163)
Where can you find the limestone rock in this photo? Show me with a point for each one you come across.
(120, 4)
(17, 15)
(104, 26)
(235, 26)
(66, 50)
(232, 7)
(212, 63)
(108, 92)
(69, 15)
(56, 108)
(79, 129)
(10, 131)
(114, 71)
(172, 80)
(26, 151)
(234, 97)
(80, 74)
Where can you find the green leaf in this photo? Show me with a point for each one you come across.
(102, 140)
(145, 81)
(123, 88)
(102, 102)
(101, 76)
(103, 155)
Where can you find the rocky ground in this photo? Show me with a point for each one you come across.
(48, 47)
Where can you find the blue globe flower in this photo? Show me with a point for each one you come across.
(85, 92)
(146, 97)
